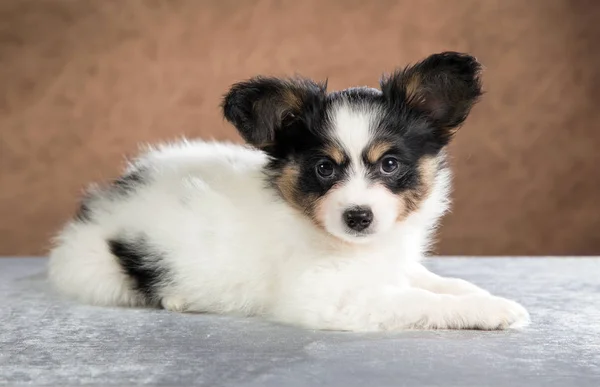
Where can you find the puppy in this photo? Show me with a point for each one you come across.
(322, 223)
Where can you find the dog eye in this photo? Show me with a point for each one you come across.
(389, 164)
(325, 169)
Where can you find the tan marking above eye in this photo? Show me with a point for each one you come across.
(336, 154)
(377, 150)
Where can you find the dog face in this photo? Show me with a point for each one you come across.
(360, 160)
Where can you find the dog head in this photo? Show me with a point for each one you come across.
(360, 160)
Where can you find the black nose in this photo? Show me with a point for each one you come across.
(358, 218)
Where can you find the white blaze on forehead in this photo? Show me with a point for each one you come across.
(352, 130)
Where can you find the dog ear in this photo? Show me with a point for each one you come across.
(443, 88)
(262, 106)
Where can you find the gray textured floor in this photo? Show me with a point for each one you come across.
(46, 340)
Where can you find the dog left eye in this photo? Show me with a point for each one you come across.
(325, 169)
(389, 165)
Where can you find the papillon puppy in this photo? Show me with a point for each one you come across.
(321, 221)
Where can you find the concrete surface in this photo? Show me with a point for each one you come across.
(45, 340)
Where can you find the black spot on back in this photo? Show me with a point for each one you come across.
(120, 188)
(128, 183)
(142, 262)
(84, 213)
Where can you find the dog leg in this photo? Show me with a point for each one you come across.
(398, 308)
(420, 309)
(422, 278)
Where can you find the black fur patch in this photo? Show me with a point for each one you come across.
(130, 182)
(440, 90)
(142, 262)
(121, 187)
(84, 213)
(263, 107)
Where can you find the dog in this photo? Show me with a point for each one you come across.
(321, 220)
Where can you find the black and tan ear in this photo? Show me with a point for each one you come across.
(262, 106)
(443, 88)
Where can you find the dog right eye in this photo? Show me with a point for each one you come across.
(389, 165)
(325, 169)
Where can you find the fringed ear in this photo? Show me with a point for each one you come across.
(443, 88)
(261, 106)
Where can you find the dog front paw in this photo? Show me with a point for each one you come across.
(496, 313)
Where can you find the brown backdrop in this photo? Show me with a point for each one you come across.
(83, 82)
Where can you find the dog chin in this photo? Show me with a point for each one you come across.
(354, 237)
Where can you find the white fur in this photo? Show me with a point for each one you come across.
(232, 246)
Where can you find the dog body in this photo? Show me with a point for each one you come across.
(322, 223)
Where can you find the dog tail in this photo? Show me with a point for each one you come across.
(82, 267)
